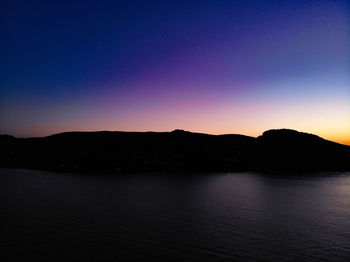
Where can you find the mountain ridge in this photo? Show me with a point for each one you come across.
(178, 150)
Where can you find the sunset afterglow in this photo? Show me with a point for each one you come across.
(224, 68)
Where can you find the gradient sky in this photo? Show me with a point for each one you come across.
(203, 66)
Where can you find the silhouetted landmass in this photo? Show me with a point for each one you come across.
(116, 152)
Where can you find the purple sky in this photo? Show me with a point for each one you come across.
(204, 66)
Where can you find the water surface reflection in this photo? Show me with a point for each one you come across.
(167, 217)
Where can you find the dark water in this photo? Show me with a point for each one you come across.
(167, 217)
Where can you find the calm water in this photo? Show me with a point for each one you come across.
(166, 217)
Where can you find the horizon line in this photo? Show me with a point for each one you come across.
(346, 143)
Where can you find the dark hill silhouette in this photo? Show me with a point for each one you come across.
(178, 150)
(290, 149)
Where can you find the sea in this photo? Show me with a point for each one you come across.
(245, 216)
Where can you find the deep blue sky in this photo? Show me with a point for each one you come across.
(207, 66)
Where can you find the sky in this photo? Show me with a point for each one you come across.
(204, 66)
